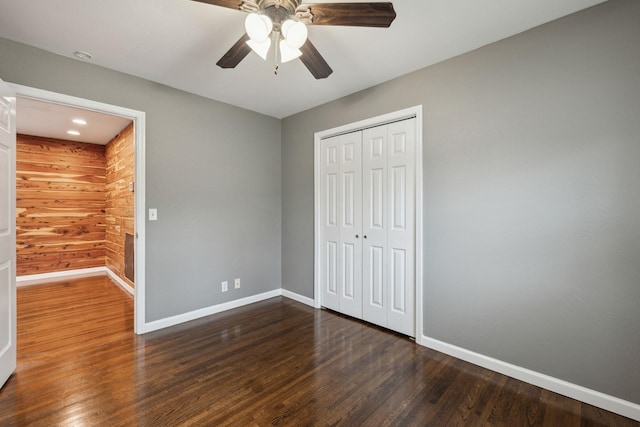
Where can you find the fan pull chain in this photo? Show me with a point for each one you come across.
(276, 65)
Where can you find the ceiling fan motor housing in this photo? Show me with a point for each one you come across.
(278, 10)
(289, 5)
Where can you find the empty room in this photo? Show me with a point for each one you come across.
(337, 213)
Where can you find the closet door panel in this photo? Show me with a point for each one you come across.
(401, 230)
(398, 301)
(330, 266)
(350, 154)
(342, 223)
(374, 228)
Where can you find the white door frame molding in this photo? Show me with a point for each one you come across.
(317, 229)
(138, 118)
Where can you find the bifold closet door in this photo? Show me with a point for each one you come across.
(388, 188)
(341, 219)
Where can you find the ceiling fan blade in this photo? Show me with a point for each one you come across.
(231, 4)
(374, 14)
(236, 54)
(314, 62)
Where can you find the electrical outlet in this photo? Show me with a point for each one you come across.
(225, 286)
(236, 284)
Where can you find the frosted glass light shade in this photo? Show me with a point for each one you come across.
(286, 26)
(288, 53)
(258, 27)
(295, 33)
(261, 48)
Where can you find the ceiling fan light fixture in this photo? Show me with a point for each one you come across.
(295, 33)
(288, 53)
(258, 27)
(260, 47)
(289, 25)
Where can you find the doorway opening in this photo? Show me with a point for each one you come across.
(123, 231)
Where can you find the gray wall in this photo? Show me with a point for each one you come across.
(531, 196)
(213, 173)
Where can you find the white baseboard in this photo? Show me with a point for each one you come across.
(208, 311)
(114, 277)
(583, 394)
(37, 279)
(297, 297)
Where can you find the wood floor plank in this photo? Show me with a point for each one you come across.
(276, 362)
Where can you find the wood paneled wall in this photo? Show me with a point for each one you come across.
(60, 206)
(119, 198)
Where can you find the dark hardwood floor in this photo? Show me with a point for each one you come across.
(276, 362)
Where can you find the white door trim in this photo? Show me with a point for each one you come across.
(317, 229)
(138, 117)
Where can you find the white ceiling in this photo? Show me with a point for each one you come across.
(178, 42)
(51, 120)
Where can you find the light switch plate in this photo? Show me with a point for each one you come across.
(153, 214)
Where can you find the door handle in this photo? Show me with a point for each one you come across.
(357, 236)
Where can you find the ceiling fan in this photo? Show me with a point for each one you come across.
(283, 23)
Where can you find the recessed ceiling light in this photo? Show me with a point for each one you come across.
(79, 121)
(73, 132)
(85, 56)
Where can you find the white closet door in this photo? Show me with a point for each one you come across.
(375, 256)
(330, 170)
(350, 251)
(342, 224)
(389, 226)
(368, 225)
(401, 227)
